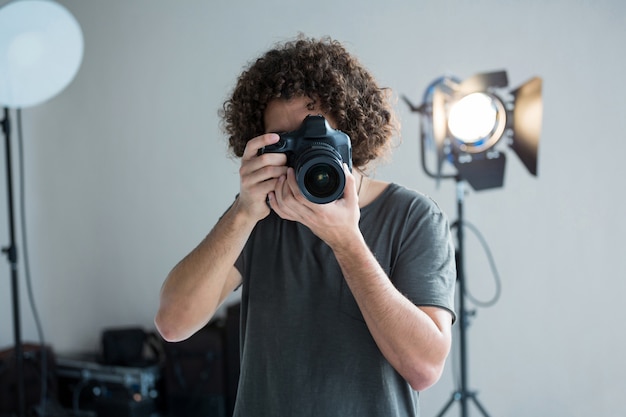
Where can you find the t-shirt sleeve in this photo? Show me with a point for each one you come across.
(425, 268)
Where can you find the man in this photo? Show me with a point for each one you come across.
(347, 307)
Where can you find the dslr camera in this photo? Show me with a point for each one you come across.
(316, 152)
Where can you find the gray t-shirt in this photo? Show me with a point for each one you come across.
(305, 347)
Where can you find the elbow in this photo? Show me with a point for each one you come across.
(178, 320)
(166, 330)
(423, 376)
(169, 329)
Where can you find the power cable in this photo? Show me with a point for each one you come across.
(27, 275)
(492, 265)
(485, 304)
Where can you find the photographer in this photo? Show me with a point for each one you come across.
(347, 306)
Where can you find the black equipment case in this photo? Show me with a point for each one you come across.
(110, 391)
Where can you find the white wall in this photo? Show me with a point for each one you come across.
(127, 170)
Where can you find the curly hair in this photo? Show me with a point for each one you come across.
(334, 80)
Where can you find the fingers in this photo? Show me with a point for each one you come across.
(292, 187)
(350, 190)
(288, 201)
(261, 176)
(253, 145)
(259, 173)
(251, 162)
(279, 196)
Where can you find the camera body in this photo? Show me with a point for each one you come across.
(317, 153)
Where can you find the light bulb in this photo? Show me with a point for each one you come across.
(473, 118)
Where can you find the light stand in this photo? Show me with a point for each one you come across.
(462, 394)
(41, 49)
(11, 252)
(465, 121)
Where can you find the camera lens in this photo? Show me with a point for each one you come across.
(321, 180)
(320, 176)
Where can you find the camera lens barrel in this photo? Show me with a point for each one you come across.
(319, 172)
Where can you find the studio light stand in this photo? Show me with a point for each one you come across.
(11, 252)
(41, 49)
(462, 394)
(464, 121)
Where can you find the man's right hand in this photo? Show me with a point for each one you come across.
(259, 175)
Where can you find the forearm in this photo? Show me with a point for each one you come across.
(194, 289)
(413, 342)
(198, 284)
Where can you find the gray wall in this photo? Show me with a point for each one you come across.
(127, 170)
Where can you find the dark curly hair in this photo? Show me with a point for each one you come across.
(334, 80)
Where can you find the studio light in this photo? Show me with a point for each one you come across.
(41, 49)
(469, 124)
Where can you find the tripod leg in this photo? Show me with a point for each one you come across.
(479, 405)
(455, 397)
